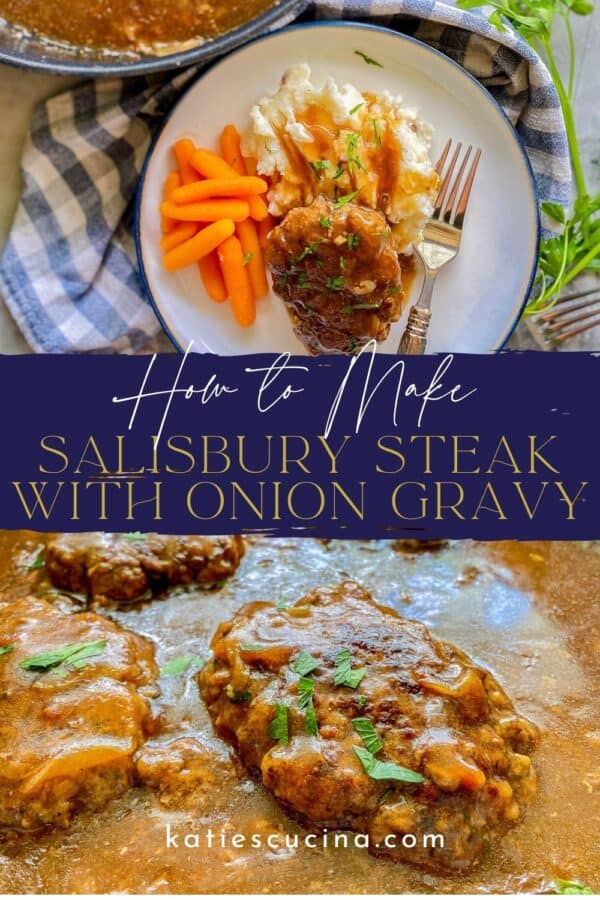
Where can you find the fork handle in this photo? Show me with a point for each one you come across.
(414, 339)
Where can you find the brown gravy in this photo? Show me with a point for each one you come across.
(134, 25)
(527, 611)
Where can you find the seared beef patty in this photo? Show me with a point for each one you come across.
(337, 271)
(425, 705)
(68, 731)
(123, 568)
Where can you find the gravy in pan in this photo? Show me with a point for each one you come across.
(529, 612)
(136, 25)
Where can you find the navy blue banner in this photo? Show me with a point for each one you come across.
(374, 446)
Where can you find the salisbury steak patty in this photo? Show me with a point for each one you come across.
(123, 568)
(338, 273)
(69, 724)
(421, 704)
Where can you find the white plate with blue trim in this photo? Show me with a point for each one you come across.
(478, 298)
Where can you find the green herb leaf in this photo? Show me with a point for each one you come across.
(281, 605)
(303, 281)
(252, 647)
(386, 771)
(346, 310)
(571, 887)
(335, 284)
(306, 687)
(353, 159)
(324, 222)
(376, 133)
(181, 664)
(356, 108)
(555, 211)
(368, 59)
(338, 172)
(278, 726)
(310, 721)
(362, 701)
(319, 166)
(237, 696)
(73, 655)
(353, 241)
(304, 664)
(309, 250)
(38, 563)
(366, 731)
(134, 536)
(344, 675)
(7, 649)
(347, 198)
(248, 257)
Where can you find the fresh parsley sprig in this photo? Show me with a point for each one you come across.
(577, 248)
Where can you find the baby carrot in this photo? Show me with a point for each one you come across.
(253, 257)
(200, 245)
(207, 211)
(232, 152)
(183, 151)
(182, 231)
(264, 228)
(240, 186)
(210, 165)
(212, 277)
(172, 181)
(237, 281)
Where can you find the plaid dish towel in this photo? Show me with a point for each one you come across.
(69, 274)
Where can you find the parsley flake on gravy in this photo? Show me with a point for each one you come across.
(366, 731)
(278, 726)
(386, 771)
(304, 664)
(74, 655)
(181, 664)
(347, 198)
(344, 675)
(8, 649)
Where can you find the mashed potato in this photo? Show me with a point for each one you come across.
(338, 142)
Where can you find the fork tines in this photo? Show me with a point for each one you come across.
(454, 192)
(573, 314)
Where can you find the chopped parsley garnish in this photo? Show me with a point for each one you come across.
(310, 722)
(281, 604)
(368, 59)
(376, 133)
(237, 696)
(135, 535)
(335, 284)
(181, 664)
(252, 647)
(306, 687)
(304, 664)
(319, 166)
(278, 726)
(8, 649)
(344, 675)
(353, 159)
(324, 222)
(74, 655)
(356, 108)
(347, 198)
(347, 310)
(342, 263)
(309, 250)
(303, 281)
(353, 241)
(248, 258)
(362, 701)
(386, 771)
(366, 731)
(338, 172)
(38, 563)
(396, 289)
(571, 887)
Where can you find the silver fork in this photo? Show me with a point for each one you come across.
(572, 314)
(441, 238)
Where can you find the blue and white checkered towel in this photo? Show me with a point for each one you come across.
(69, 273)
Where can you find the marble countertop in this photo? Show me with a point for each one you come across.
(20, 91)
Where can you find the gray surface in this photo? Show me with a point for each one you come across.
(20, 91)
